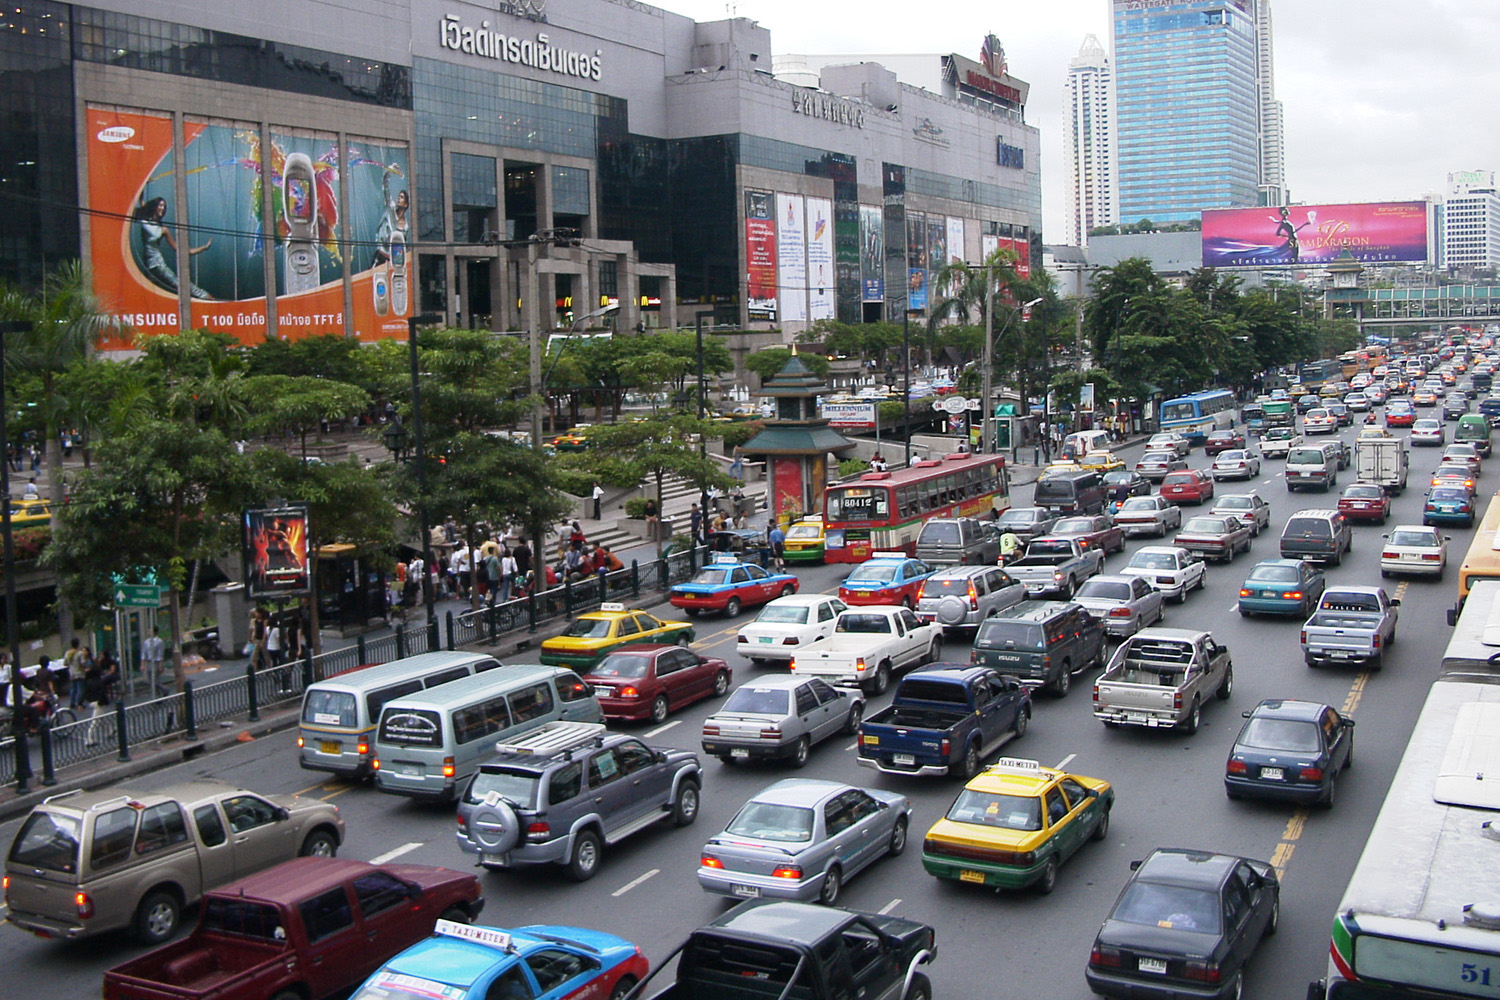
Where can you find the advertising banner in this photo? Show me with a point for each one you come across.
(988, 244)
(871, 254)
(760, 254)
(791, 255)
(786, 479)
(955, 240)
(276, 557)
(820, 276)
(857, 415)
(937, 253)
(916, 261)
(1375, 233)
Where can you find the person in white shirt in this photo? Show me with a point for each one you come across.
(153, 651)
(462, 568)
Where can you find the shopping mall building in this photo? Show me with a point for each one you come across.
(331, 167)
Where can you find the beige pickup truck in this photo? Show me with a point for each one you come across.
(1160, 678)
(88, 862)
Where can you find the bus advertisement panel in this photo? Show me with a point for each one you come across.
(1376, 233)
(884, 511)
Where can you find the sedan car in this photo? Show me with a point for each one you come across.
(1455, 405)
(886, 578)
(1124, 484)
(593, 634)
(781, 718)
(1454, 474)
(1235, 463)
(805, 541)
(787, 625)
(1015, 823)
(1281, 587)
(1428, 432)
(1148, 516)
(1410, 548)
(1399, 413)
(1101, 462)
(1027, 523)
(1319, 421)
(1464, 453)
(1092, 531)
(1365, 502)
(1155, 465)
(1248, 507)
(1184, 926)
(1167, 568)
(1449, 505)
(1188, 484)
(1215, 536)
(1424, 398)
(1224, 440)
(1291, 750)
(802, 839)
(1340, 412)
(650, 680)
(726, 585)
(1358, 402)
(1123, 604)
(1169, 441)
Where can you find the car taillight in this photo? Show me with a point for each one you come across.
(538, 832)
(1096, 693)
(1291, 595)
(1244, 592)
(301, 743)
(922, 592)
(1201, 971)
(1304, 635)
(1236, 767)
(710, 730)
(973, 656)
(1176, 699)
(362, 748)
(375, 763)
(449, 770)
(1106, 958)
(770, 734)
(946, 747)
(1395, 555)
(709, 861)
(83, 904)
(1375, 640)
(629, 692)
(1311, 774)
(787, 871)
(973, 598)
(1432, 558)
(793, 667)
(791, 640)
(463, 821)
(743, 638)
(1119, 613)
(859, 664)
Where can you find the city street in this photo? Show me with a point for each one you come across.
(1168, 786)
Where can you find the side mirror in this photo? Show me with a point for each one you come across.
(282, 814)
(1395, 602)
(1349, 723)
(1135, 865)
(1245, 714)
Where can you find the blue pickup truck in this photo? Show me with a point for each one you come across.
(945, 719)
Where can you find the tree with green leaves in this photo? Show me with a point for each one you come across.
(770, 360)
(299, 404)
(654, 449)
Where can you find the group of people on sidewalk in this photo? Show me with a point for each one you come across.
(87, 682)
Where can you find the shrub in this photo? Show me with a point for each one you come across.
(635, 507)
(853, 467)
(29, 542)
(740, 433)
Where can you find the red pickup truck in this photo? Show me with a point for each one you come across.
(308, 928)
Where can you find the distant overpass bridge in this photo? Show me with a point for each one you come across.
(1448, 304)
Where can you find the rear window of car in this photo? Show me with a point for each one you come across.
(1139, 503)
(49, 841)
(1308, 527)
(1364, 492)
(758, 701)
(1274, 574)
(1306, 456)
(1105, 590)
(940, 533)
(330, 708)
(997, 632)
(1173, 907)
(516, 784)
(1417, 539)
(1178, 479)
(242, 918)
(1203, 526)
(408, 727)
(944, 586)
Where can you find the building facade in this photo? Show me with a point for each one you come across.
(1471, 222)
(1188, 107)
(1093, 198)
(1272, 121)
(320, 167)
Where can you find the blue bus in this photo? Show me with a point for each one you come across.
(1194, 416)
(1314, 373)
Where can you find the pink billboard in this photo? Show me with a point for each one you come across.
(1375, 233)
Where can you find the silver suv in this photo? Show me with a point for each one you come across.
(944, 541)
(964, 596)
(560, 793)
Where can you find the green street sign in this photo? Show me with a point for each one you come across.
(137, 595)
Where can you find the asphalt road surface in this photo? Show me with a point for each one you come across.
(990, 944)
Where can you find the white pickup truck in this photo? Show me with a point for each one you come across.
(868, 645)
(1160, 678)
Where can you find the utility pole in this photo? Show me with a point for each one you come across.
(421, 459)
(702, 438)
(906, 363)
(531, 308)
(987, 373)
(12, 627)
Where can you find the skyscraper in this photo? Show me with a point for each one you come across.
(1093, 199)
(1471, 221)
(1197, 124)
(1272, 140)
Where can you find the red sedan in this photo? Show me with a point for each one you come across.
(650, 680)
(1223, 441)
(1364, 502)
(1399, 416)
(1188, 484)
(1094, 531)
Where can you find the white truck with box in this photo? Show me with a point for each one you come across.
(1382, 461)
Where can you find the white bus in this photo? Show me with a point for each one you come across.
(1421, 917)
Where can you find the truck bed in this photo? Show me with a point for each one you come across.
(188, 968)
(909, 717)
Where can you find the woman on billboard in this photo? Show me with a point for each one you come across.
(151, 217)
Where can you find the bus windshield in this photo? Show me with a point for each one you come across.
(859, 503)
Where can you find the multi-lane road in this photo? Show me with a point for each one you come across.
(1169, 792)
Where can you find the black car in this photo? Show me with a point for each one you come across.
(1290, 749)
(1184, 926)
(1122, 484)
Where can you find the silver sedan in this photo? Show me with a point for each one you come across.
(801, 839)
(1248, 507)
(1236, 464)
(780, 718)
(1153, 515)
(1123, 604)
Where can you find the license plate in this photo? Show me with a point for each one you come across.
(1137, 716)
(767, 638)
(968, 875)
(494, 859)
(327, 746)
(748, 891)
(1272, 773)
(905, 758)
(739, 753)
(410, 770)
(1157, 965)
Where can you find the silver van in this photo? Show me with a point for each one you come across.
(428, 744)
(339, 714)
(1309, 465)
(948, 541)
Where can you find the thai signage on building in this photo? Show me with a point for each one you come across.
(537, 52)
(814, 105)
(986, 80)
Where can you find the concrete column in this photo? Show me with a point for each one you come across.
(346, 234)
(268, 245)
(629, 279)
(177, 218)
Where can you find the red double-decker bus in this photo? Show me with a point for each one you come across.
(884, 511)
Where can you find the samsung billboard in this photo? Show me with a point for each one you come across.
(1375, 233)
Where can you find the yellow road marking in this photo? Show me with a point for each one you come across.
(1295, 825)
(337, 792)
(1356, 692)
(1280, 857)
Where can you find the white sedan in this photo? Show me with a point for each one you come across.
(1235, 464)
(1171, 569)
(1169, 441)
(788, 625)
(1319, 421)
(1413, 548)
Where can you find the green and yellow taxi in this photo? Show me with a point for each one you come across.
(1014, 825)
(1059, 468)
(574, 440)
(30, 513)
(595, 633)
(1101, 462)
(804, 541)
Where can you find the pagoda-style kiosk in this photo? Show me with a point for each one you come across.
(796, 443)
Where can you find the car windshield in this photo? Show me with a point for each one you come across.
(1414, 538)
(1116, 478)
(330, 708)
(873, 573)
(1286, 735)
(1007, 812)
(1173, 907)
(1275, 574)
(516, 785)
(1152, 560)
(772, 821)
(786, 614)
(757, 701)
(1139, 503)
(622, 665)
(866, 624)
(1105, 590)
(712, 577)
(1204, 526)
(588, 628)
(1073, 525)
(49, 841)
(807, 531)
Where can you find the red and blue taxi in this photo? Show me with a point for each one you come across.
(886, 578)
(726, 585)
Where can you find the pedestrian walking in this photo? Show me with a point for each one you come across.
(275, 646)
(258, 625)
(652, 518)
(95, 700)
(695, 524)
(510, 569)
(522, 555)
(490, 574)
(737, 464)
(75, 672)
(598, 502)
(777, 538)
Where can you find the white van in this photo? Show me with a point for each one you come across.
(339, 714)
(1309, 465)
(1080, 443)
(428, 744)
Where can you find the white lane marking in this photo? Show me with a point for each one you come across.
(1263, 482)
(853, 746)
(888, 907)
(1235, 606)
(392, 855)
(1066, 761)
(635, 882)
(660, 729)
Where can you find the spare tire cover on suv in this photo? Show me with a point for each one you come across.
(493, 824)
(952, 610)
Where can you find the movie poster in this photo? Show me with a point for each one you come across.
(1376, 233)
(871, 254)
(791, 255)
(760, 254)
(821, 282)
(276, 556)
(916, 261)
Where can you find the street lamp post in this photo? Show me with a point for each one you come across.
(702, 437)
(906, 364)
(12, 626)
(416, 423)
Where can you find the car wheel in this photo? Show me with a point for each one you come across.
(1227, 687)
(856, 714)
(800, 751)
(1330, 795)
(622, 988)
(1064, 682)
(1066, 593)
(787, 591)
(882, 680)
(833, 881)
(1232, 793)
(685, 809)
(906, 602)
(319, 844)
(1274, 924)
(1194, 718)
(972, 761)
(1102, 830)
(921, 988)
(935, 651)
(725, 758)
(732, 609)
(584, 863)
(1244, 613)
(721, 682)
(683, 640)
(157, 916)
(1392, 640)
(659, 709)
(1048, 880)
(1023, 719)
(692, 612)
(1385, 574)
(1349, 760)
(898, 839)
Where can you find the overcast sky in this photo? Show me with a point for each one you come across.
(1383, 97)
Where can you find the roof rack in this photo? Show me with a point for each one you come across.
(554, 739)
